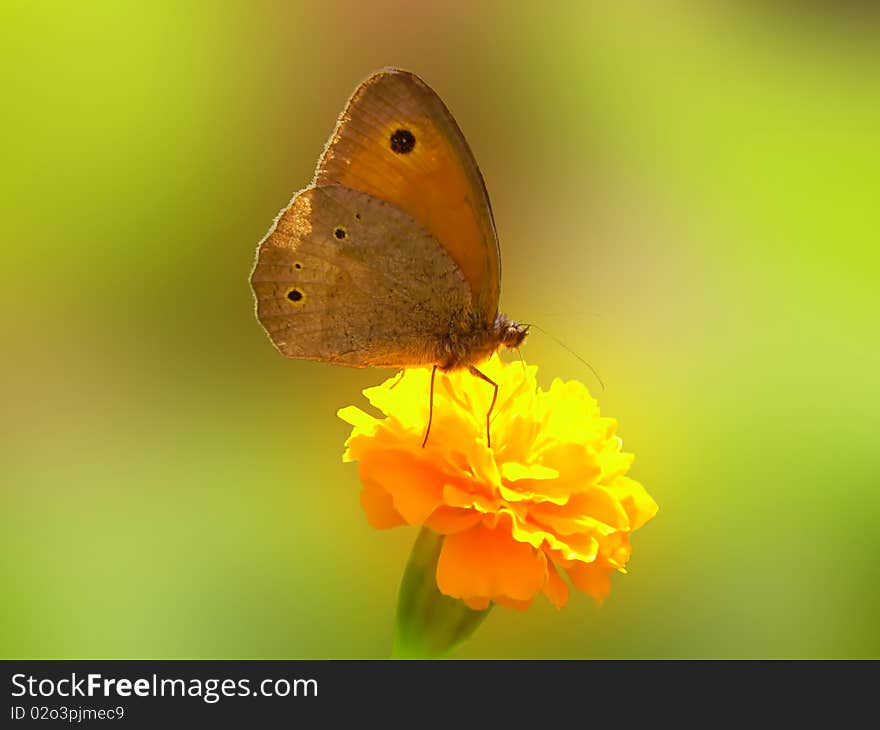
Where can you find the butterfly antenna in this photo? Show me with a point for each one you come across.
(572, 352)
(430, 407)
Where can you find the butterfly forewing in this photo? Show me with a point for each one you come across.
(397, 141)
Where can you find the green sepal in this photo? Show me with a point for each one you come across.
(429, 624)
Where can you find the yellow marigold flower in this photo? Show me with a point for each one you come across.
(549, 497)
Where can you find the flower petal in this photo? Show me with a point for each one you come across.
(613, 461)
(457, 497)
(594, 579)
(556, 589)
(512, 471)
(583, 511)
(379, 506)
(447, 520)
(510, 603)
(413, 483)
(476, 603)
(357, 418)
(483, 562)
(639, 505)
(574, 547)
(403, 398)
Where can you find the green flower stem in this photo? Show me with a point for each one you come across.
(429, 624)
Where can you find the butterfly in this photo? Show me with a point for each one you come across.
(389, 258)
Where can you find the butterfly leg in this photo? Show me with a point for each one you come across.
(397, 382)
(483, 376)
(430, 407)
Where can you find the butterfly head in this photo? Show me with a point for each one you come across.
(510, 334)
(475, 339)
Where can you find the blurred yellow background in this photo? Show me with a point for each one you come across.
(687, 197)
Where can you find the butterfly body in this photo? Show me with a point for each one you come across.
(390, 257)
(475, 340)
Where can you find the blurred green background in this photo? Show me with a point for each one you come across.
(687, 197)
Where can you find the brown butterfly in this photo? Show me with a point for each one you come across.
(390, 257)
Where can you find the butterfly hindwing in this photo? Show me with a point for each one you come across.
(348, 278)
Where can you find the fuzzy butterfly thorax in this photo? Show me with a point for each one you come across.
(475, 340)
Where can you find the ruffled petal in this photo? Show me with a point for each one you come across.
(476, 603)
(594, 579)
(379, 506)
(639, 505)
(483, 562)
(512, 471)
(577, 547)
(556, 589)
(457, 497)
(414, 484)
(405, 399)
(356, 417)
(447, 520)
(510, 603)
(597, 509)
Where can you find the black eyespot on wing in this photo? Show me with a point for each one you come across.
(402, 141)
(294, 295)
(297, 265)
(357, 216)
(340, 232)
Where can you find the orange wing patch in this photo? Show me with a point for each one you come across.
(397, 141)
